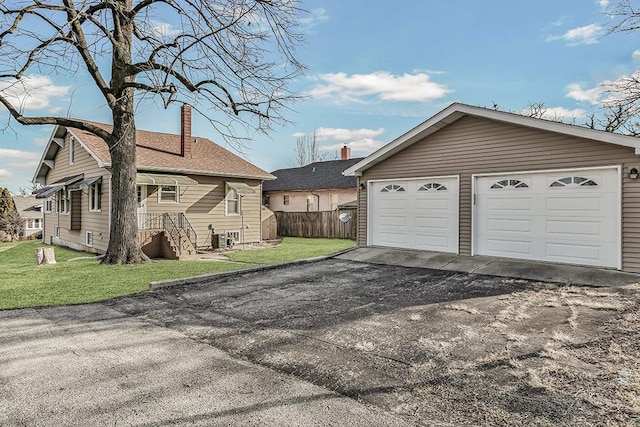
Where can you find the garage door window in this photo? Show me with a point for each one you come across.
(432, 186)
(392, 188)
(574, 181)
(509, 183)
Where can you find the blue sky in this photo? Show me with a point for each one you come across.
(376, 69)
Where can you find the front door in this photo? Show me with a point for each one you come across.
(141, 191)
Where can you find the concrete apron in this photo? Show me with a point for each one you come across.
(494, 266)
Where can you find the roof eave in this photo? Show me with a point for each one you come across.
(201, 172)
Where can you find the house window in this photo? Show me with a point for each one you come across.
(392, 188)
(63, 202)
(509, 183)
(232, 202)
(310, 204)
(72, 153)
(37, 224)
(285, 200)
(95, 196)
(168, 194)
(29, 224)
(432, 186)
(48, 205)
(57, 232)
(233, 236)
(88, 240)
(574, 181)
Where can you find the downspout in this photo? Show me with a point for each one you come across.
(318, 196)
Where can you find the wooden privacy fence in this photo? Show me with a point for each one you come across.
(317, 224)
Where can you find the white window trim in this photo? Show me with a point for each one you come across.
(48, 205)
(230, 233)
(56, 232)
(72, 153)
(226, 202)
(169, 202)
(96, 185)
(86, 239)
(286, 200)
(67, 206)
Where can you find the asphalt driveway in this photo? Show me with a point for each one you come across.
(334, 342)
(431, 346)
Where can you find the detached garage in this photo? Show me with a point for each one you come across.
(476, 181)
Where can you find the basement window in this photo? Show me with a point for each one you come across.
(89, 238)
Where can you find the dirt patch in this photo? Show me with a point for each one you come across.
(435, 347)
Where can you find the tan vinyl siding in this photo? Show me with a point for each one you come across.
(474, 145)
(204, 204)
(83, 220)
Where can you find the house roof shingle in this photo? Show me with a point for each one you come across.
(314, 176)
(160, 152)
(28, 207)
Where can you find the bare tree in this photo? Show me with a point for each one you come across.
(308, 149)
(234, 58)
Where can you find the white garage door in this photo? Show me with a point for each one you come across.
(571, 217)
(415, 214)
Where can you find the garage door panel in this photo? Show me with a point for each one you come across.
(567, 219)
(431, 223)
(509, 225)
(424, 204)
(432, 242)
(429, 212)
(577, 227)
(392, 221)
(578, 252)
(502, 247)
(574, 203)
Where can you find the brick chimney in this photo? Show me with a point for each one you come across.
(345, 153)
(185, 131)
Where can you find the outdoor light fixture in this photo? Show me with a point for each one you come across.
(363, 185)
(633, 172)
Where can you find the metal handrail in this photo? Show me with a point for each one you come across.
(172, 223)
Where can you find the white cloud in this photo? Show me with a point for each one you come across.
(8, 153)
(313, 18)
(360, 147)
(587, 34)
(29, 164)
(383, 85)
(340, 134)
(559, 113)
(636, 54)
(164, 29)
(602, 3)
(5, 174)
(575, 91)
(32, 92)
(361, 141)
(41, 142)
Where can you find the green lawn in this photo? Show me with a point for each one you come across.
(292, 248)
(25, 284)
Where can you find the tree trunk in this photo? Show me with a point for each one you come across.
(124, 246)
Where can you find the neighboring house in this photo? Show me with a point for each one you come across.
(30, 210)
(475, 181)
(188, 189)
(319, 186)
